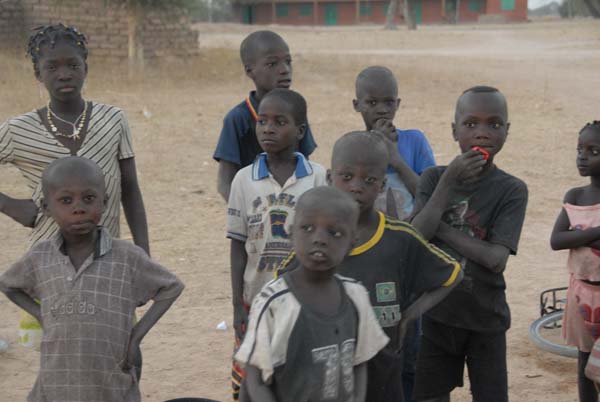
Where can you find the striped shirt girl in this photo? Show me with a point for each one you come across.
(26, 143)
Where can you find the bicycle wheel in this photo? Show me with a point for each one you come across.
(535, 334)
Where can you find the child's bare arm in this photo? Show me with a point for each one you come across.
(424, 303)
(133, 204)
(239, 258)
(564, 237)
(360, 383)
(489, 255)
(427, 220)
(139, 331)
(23, 211)
(227, 171)
(464, 168)
(24, 301)
(257, 389)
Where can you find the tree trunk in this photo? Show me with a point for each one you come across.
(457, 12)
(273, 12)
(594, 12)
(390, 22)
(409, 15)
(135, 54)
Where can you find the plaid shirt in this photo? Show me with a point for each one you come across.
(88, 316)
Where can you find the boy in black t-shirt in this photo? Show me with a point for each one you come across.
(475, 212)
(311, 332)
(404, 274)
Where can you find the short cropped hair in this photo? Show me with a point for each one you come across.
(479, 89)
(374, 73)
(368, 143)
(292, 98)
(329, 195)
(252, 43)
(64, 168)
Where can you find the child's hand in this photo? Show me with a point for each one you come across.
(402, 329)
(23, 211)
(134, 356)
(466, 167)
(240, 321)
(393, 154)
(387, 128)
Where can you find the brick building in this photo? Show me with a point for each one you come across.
(348, 12)
(163, 32)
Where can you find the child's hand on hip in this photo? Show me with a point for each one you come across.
(134, 355)
(240, 321)
(402, 329)
(24, 211)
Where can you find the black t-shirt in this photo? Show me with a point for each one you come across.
(397, 265)
(320, 356)
(492, 210)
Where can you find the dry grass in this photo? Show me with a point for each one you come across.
(549, 72)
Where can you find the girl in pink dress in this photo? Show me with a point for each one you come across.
(577, 228)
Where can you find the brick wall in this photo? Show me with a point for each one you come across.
(11, 24)
(164, 32)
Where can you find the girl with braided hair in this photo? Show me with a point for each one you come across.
(69, 126)
(577, 229)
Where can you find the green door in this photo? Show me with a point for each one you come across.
(330, 14)
(508, 5)
(247, 15)
(418, 11)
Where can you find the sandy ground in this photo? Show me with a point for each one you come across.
(549, 72)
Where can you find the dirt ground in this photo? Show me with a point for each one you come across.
(548, 71)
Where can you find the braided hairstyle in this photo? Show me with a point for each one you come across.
(594, 125)
(50, 35)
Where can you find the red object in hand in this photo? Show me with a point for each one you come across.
(485, 153)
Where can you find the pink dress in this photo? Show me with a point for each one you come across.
(581, 321)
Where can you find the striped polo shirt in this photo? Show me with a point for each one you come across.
(260, 214)
(26, 143)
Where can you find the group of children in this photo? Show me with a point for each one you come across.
(373, 280)
(283, 222)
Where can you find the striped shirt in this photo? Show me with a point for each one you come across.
(26, 143)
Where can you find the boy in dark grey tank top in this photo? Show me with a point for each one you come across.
(311, 332)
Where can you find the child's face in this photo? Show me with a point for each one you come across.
(481, 121)
(588, 152)
(62, 70)
(375, 101)
(76, 205)
(322, 237)
(363, 180)
(276, 129)
(272, 68)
